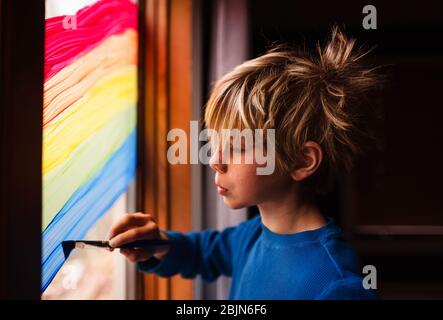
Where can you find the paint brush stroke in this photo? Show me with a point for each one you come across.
(73, 81)
(61, 183)
(89, 140)
(99, 105)
(86, 206)
(93, 24)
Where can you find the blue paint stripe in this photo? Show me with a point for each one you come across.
(86, 206)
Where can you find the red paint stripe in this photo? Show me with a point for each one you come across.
(94, 23)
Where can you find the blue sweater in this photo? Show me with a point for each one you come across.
(315, 264)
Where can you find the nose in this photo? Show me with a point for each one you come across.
(215, 162)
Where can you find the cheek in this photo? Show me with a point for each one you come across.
(244, 175)
(247, 184)
(243, 180)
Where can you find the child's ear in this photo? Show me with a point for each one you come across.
(312, 155)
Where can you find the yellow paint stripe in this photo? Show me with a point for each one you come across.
(110, 96)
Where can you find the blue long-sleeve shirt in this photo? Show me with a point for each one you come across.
(316, 264)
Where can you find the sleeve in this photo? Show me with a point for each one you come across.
(207, 253)
(348, 289)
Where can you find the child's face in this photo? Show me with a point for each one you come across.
(242, 185)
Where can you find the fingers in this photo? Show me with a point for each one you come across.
(136, 255)
(148, 231)
(129, 221)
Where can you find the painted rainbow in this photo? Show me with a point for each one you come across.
(89, 121)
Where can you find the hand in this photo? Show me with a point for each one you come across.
(133, 227)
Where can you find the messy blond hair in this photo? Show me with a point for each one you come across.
(304, 97)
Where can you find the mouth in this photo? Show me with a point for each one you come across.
(221, 190)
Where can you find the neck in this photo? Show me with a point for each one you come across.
(288, 214)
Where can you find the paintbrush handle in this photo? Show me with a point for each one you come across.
(146, 243)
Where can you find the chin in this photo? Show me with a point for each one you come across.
(234, 205)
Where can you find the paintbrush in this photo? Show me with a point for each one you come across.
(70, 245)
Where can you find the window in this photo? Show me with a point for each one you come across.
(89, 141)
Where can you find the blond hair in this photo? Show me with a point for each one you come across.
(304, 97)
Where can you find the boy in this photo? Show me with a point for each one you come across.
(290, 250)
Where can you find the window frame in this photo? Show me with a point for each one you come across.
(167, 102)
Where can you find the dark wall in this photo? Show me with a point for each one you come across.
(21, 96)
